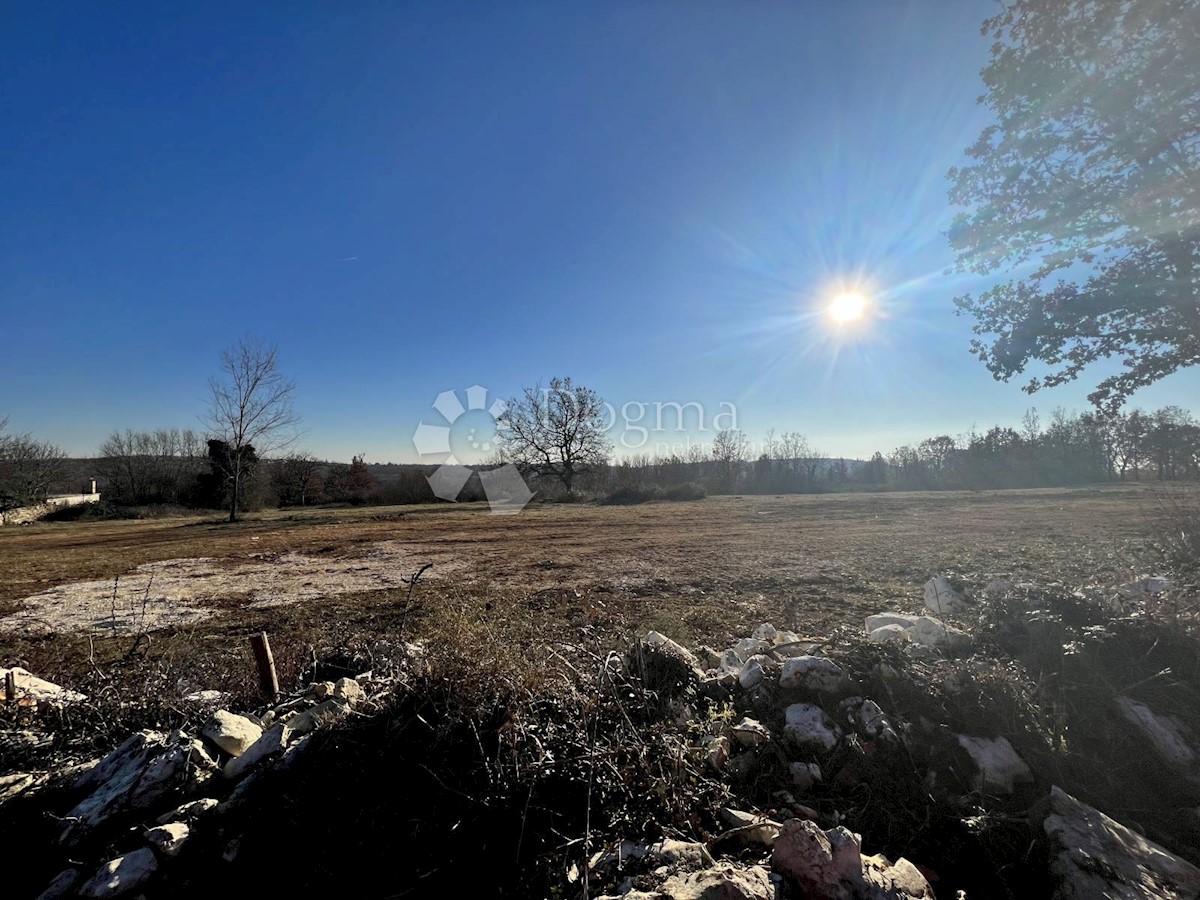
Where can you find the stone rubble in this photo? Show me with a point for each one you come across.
(785, 709)
(159, 776)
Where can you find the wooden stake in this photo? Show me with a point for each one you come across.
(10, 688)
(267, 679)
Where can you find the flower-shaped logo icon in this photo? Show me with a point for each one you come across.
(505, 489)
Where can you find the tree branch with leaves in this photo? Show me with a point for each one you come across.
(1087, 189)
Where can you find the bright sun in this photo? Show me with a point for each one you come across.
(847, 308)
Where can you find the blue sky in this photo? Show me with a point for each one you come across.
(651, 197)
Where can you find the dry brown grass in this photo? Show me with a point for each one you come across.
(703, 572)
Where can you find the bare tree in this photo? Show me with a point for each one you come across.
(250, 411)
(297, 478)
(555, 432)
(804, 461)
(729, 450)
(150, 466)
(28, 468)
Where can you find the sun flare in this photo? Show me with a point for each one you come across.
(847, 308)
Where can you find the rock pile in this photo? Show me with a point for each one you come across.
(798, 708)
(810, 712)
(170, 784)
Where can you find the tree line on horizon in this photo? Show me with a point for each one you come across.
(179, 467)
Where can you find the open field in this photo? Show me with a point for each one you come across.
(703, 571)
(497, 716)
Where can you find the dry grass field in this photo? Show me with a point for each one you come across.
(517, 616)
(73, 594)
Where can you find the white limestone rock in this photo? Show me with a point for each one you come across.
(168, 839)
(272, 742)
(323, 713)
(937, 635)
(232, 733)
(879, 620)
(942, 599)
(813, 673)
(29, 685)
(807, 726)
(890, 634)
(122, 875)
(829, 864)
(1099, 857)
(753, 672)
(1000, 768)
(675, 852)
(142, 781)
(1165, 733)
(717, 752)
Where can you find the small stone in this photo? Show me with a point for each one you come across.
(1164, 733)
(709, 658)
(748, 647)
(1000, 768)
(936, 634)
(750, 733)
(752, 673)
(663, 664)
(813, 673)
(879, 620)
(168, 839)
(941, 597)
(232, 733)
(764, 632)
(890, 634)
(873, 721)
(808, 726)
(349, 690)
(730, 664)
(320, 690)
(808, 855)
(122, 875)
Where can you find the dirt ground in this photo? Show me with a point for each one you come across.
(811, 561)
